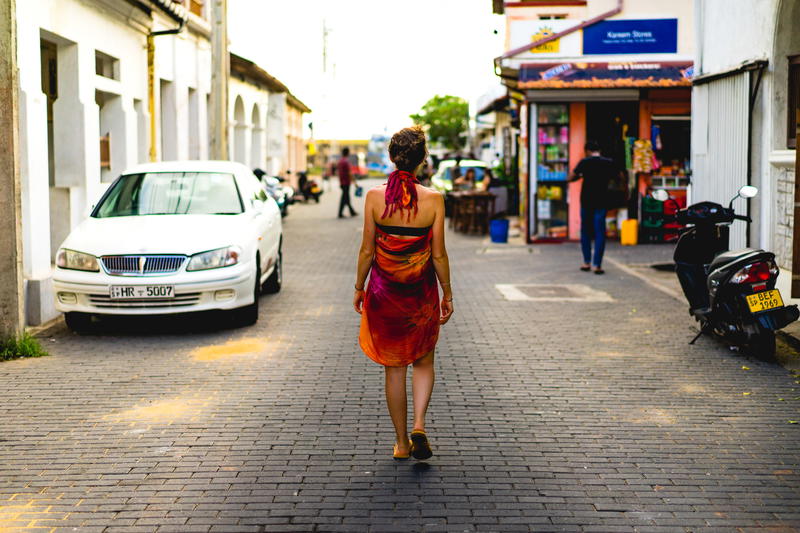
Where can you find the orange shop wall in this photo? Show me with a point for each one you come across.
(577, 139)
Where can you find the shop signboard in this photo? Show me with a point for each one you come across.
(579, 75)
(646, 36)
(523, 31)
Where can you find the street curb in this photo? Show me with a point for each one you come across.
(628, 270)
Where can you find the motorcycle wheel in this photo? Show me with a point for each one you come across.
(762, 345)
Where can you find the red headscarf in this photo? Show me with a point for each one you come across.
(400, 193)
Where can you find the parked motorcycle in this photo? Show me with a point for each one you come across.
(275, 189)
(731, 293)
(308, 188)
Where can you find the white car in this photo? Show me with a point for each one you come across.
(172, 237)
(442, 181)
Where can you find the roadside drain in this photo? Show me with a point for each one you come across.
(532, 292)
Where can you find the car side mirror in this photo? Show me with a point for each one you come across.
(262, 195)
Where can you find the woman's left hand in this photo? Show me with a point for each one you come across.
(358, 301)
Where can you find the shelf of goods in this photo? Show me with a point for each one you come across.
(654, 228)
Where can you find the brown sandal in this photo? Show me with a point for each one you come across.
(421, 448)
(402, 457)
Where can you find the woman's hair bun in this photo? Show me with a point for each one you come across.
(407, 148)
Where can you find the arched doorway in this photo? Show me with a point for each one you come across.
(240, 128)
(256, 154)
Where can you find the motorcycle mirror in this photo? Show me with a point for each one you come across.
(748, 191)
(661, 195)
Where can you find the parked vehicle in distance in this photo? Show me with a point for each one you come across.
(276, 190)
(731, 293)
(308, 188)
(173, 237)
(442, 180)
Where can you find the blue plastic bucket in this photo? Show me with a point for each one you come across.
(498, 230)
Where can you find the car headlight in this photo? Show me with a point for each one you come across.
(73, 260)
(221, 257)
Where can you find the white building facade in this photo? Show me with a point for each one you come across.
(85, 110)
(744, 96)
(265, 122)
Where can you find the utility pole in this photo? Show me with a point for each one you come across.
(796, 225)
(220, 74)
(11, 305)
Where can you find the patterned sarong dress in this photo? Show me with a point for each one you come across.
(400, 314)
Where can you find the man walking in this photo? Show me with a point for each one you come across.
(596, 171)
(345, 179)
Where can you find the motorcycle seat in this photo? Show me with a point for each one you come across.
(732, 255)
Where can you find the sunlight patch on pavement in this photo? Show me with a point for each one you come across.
(610, 354)
(15, 518)
(545, 292)
(658, 417)
(320, 310)
(167, 411)
(230, 348)
(692, 388)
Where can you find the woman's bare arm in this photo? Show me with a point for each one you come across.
(367, 251)
(441, 262)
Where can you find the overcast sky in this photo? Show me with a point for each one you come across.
(385, 57)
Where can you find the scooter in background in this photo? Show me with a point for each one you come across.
(731, 293)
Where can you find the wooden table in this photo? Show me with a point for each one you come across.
(472, 211)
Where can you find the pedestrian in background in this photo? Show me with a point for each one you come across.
(596, 172)
(404, 254)
(345, 180)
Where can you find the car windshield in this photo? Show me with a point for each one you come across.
(171, 193)
(449, 173)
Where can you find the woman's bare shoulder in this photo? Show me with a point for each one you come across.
(377, 190)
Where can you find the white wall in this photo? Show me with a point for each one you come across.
(79, 28)
(731, 32)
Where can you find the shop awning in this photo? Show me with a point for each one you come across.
(580, 75)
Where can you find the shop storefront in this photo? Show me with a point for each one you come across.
(639, 113)
(621, 78)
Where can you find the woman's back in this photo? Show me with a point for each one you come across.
(424, 216)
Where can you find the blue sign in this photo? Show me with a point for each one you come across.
(648, 36)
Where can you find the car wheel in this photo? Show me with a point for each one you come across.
(248, 315)
(275, 280)
(78, 322)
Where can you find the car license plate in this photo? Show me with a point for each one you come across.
(764, 301)
(141, 292)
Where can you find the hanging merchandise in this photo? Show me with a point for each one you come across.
(629, 151)
(655, 137)
(643, 155)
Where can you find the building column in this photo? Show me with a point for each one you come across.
(11, 298)
(33, 150)
(76, 122)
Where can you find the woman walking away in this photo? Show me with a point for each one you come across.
(403, 252)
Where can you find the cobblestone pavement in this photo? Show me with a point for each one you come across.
(547, 415)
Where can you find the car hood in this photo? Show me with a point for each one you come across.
(158, 234)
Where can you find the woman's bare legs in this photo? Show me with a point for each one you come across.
(397, 402)
(421, 388)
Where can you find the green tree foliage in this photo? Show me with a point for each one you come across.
(446, 119)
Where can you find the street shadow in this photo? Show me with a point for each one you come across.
(158, 325)
(421, 467)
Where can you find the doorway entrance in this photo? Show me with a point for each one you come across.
(609, 123)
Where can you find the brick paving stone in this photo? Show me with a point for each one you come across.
(546, 416)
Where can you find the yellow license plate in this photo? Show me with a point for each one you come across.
(764, 301)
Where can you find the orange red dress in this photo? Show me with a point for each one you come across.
(400, 313)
